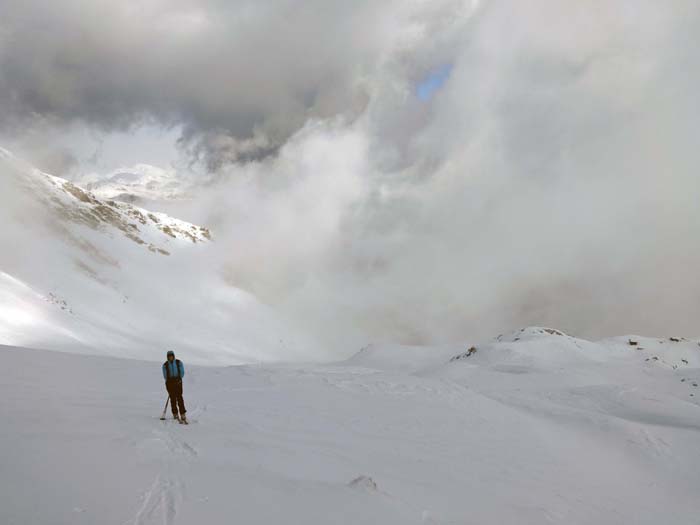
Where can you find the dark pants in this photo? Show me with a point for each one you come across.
(174, 387)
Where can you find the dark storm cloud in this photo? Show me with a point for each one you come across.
(243, 73)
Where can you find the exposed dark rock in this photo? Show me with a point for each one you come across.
(464, 355)
(364, 482)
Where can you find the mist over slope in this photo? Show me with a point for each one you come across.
(107, 277)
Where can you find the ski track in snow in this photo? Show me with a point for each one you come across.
(161, 500)
(160, 503)
(174, 445)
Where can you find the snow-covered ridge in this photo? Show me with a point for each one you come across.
(87, 209)
(532, 349)
(83, 207)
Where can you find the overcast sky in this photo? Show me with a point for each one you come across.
(406, 170)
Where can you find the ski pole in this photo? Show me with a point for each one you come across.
(165, 409)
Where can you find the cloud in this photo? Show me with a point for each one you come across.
(547, 183)
(240, 77)
(551, 180)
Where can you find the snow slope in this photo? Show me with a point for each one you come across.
(86, 274)
(533, 428)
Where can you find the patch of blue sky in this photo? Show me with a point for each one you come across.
(431, 84)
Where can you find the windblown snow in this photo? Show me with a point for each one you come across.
(83, 273)
(533, 427)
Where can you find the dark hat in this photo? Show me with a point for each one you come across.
(170, 353)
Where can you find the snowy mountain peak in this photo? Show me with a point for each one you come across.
(84, 207)
(141, 183)
(72, 204)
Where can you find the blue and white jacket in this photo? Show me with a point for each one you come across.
(176, 369)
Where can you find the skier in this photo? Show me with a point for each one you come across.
(173, 372)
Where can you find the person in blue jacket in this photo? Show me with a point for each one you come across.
(173, 372)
